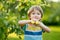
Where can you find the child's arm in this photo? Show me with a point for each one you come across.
(44, 27)
(23, 22)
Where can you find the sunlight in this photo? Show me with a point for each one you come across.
(54, 0)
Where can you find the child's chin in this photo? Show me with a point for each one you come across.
(36, 20)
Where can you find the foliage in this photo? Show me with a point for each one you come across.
(52, 14)
(11, 11)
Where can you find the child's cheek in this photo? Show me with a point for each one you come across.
(40, 16)
(32, 17)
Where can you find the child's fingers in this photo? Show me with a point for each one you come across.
(37, 22)
(32, 22)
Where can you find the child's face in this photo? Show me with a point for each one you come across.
(35, 15)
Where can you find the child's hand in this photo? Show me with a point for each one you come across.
(35, 22)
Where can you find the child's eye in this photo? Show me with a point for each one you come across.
(38, 13)
(33, 13)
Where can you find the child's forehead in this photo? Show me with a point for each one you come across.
(35, 10)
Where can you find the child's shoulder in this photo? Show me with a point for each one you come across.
(24, 27)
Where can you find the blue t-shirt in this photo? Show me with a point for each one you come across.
(32, 35)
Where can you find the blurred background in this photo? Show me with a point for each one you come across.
(11, 11)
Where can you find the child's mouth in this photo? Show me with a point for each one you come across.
(35, 18)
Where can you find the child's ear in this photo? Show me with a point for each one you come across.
(40, 18)
(30, 16)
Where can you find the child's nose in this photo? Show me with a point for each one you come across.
(36, 15)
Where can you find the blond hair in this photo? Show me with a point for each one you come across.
(37, 8)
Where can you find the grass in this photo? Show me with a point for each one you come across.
(53, 35)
